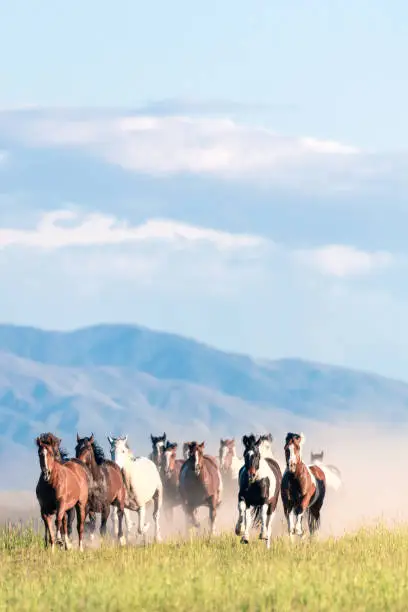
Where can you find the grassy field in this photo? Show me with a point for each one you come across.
(364, 571)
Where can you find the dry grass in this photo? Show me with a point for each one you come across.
(364, 571)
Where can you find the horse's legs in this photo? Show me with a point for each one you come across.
(81, 513)
(65, 531)
(264, 512)
(299, 512)
(247, 524)
(70, 517)
(48, 535)
(241, 518)
(157, 497)
(92, 524)
(269, 519)
(104, 519)
(143, 526)
(213, 514)
(61, 515)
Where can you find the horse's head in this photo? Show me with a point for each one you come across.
(316, 456)
(84, 450)
(158, 444)
(226, 453)
(46, 455)
(119, 450)
(196, 455)
(186, 450)
(266, 445)
(169, 458)
(252, 456)
(293, 450)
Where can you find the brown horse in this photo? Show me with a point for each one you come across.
(200, 484)
(107, 486)
(158, 444)
(170, 475)
(61, 486)
(230, 463)
(303, 488)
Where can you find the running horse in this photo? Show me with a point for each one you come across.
(200, 485)
(158, 444)
(107, 487)
(259, 486)
(186, 450)
(170, 475)
(61, 486)
(332, 473)
(230, 463)
(303, 488)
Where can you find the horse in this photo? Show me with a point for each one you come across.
(170, 475)
(142, 481)
(61, 456)
(158, 444)
(107, 487)
(186, 450)
(200, 485)
(303, 488)
(61, 486)
(332, 473)
(230, 463)
(259, 487)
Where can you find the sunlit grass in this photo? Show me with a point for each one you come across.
(364, 571)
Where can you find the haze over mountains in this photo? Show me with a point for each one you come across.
(128, 379)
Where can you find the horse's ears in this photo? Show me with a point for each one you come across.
(78, 438)
(38, 442)
(125, 439)
(245, 440)
(110, 440)
(202, 444)
(59, 441)
(270, 437)
(92, 439)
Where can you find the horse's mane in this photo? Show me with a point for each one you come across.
(98, 452)
(97, 449)
(52, 440)
(170, 445)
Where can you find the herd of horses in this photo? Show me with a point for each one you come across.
(90, 484)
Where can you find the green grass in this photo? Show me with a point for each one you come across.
(365, 571)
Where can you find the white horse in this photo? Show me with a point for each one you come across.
(333, 475)
(230, 463)
(143, 483)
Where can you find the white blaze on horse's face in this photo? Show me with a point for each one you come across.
(45, 470)
(167, 457)
(119, 452)
(197, 463)
(292, 461)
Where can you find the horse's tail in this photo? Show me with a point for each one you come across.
(256, 514)
(313, 521)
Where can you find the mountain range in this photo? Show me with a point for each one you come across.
(114, 379)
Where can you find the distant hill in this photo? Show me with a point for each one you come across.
(124, 378)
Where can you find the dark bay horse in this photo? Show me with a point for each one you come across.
(200, 484)
(260, 481)
(107, 486)
(303, 488)
(170, 475)
(61, 486)
(158, 444)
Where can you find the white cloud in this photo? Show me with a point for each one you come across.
(168, 145)
(67, 228)
(98, 229)
(344, 261)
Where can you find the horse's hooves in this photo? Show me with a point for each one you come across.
(238, 530)
(244, 541)
(263, 536)
(122, 541)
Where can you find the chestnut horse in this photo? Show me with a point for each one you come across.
(303, 488)
(259, 485)
(158, 444)
(170, 475)
(61, 486)
(106, 488)
(200, 484)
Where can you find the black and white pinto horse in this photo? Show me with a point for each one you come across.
(259, 486)
(333, 475)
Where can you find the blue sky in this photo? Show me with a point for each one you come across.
(237, 176)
